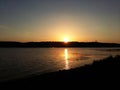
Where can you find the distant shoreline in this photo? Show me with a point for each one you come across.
(6, 44)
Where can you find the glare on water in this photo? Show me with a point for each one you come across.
(66, 59)
(18, 62)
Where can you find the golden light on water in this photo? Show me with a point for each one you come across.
(66, 59)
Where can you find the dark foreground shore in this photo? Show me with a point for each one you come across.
(101, 73)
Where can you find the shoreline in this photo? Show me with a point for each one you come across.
(13, 44)
(104, 70)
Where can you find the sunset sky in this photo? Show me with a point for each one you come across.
(55, 20)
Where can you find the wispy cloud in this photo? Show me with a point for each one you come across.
(3, 27)
(4, 31)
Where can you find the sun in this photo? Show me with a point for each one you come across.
(66, 40)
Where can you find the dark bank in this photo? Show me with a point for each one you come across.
(57, 44)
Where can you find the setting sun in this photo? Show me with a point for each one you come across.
(66, 40)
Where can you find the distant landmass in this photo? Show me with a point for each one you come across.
(57, 44)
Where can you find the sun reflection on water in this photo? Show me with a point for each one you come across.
(66, 59)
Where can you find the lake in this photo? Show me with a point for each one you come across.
(22, 62)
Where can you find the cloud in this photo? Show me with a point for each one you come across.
(4, 31)
(3, 27)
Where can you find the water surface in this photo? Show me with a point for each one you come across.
(20, 62)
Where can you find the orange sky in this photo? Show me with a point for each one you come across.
(77, 20)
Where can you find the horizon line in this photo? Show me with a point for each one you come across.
(62, 41)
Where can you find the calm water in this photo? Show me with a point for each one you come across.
(20, 62)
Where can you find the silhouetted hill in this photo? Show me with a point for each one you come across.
(57, 44)
(101, 73)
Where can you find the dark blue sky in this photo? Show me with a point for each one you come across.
(79, 20)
